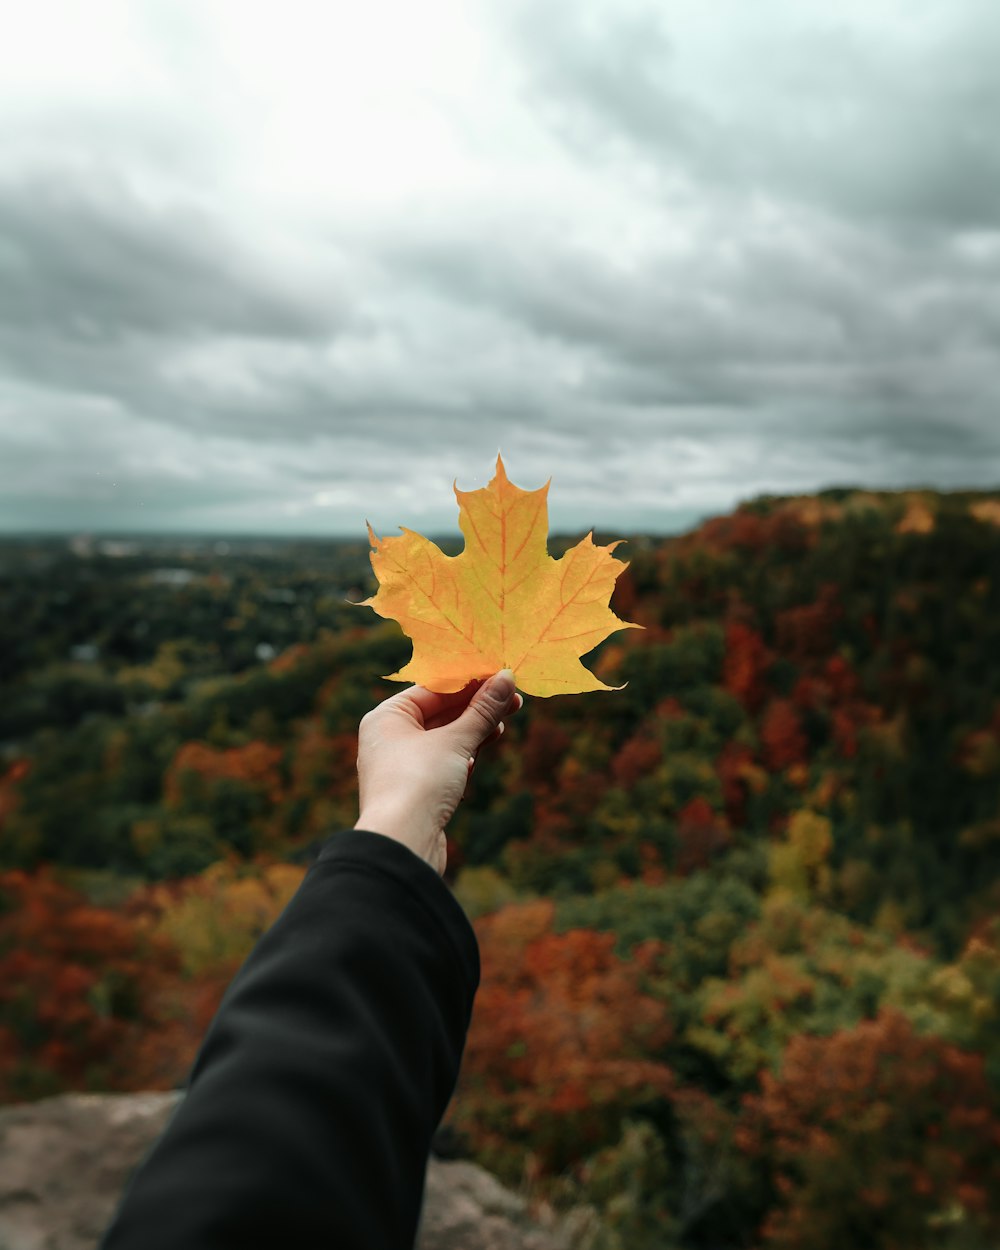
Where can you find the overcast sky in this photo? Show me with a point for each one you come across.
(284, 267)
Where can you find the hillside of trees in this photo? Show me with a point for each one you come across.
(739, 921)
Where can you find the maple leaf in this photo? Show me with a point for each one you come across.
(503, 602)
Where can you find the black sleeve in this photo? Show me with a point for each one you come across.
(312, 1103)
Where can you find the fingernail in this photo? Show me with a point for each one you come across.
(502, 684)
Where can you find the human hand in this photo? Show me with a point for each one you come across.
(415, 753)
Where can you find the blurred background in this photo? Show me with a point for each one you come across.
(728, 275)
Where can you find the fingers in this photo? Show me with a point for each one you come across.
(515, 706)
(454, 707)
(482, 717)
(426, 707)
(455, 710)
(430, 710)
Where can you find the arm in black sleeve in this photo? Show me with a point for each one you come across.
(312, 1103)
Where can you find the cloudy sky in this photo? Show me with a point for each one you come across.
(284, 267)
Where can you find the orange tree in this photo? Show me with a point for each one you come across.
(562, 1044)
(876, 1136)
(79, 989)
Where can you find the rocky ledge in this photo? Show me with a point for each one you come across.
(65, 1161)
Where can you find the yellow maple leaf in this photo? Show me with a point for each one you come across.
(503, 602)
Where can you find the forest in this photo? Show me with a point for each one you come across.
(739, 920)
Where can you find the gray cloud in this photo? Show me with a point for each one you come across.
(163, 312)
(765, 321)
(701, 264)
(892, 119)
(94, 262)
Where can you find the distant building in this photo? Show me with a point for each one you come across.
(116, 549)
(172, 577)
(82, 545)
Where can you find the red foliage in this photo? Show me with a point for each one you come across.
(161, 1054)
(701, 834)
(781, 735)
(552, 829)
(8, 787)
(545, 746)
(807, 631)
(652, 871)
(77, 990)
(322, 764)
(845, 733)
(753, 532)
(810, 693)
(638, 757)
(579, 789)
(878, 1128)
(560, 1038)
(732, 766)
(842, 679)
(745, 663)
(624, 597)
(669, 708)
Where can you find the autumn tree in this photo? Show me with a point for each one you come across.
(564, 1041)
(209, 923)
(781, 734)
(234, 790)
(214, 919)
(798, 969)
(746, 661)
(799, 862)
(877, 1136)
(79, 990)
(966, 996)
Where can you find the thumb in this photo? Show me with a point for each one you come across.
(484, 713)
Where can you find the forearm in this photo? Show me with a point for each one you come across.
(329, 1065)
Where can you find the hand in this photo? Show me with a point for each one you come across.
(415, 753)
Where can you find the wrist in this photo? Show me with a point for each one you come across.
(426, 843)
(384, 820)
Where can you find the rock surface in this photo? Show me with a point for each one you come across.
(64, 1162)
(466, 1208)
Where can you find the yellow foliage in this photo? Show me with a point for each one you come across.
(482, 890)
(604, 874)
(757, 778)
(890, 918)
(980, 753)
(918, 519)
(798, 866)
(161, 674)
(215, 918)
(987, 510)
